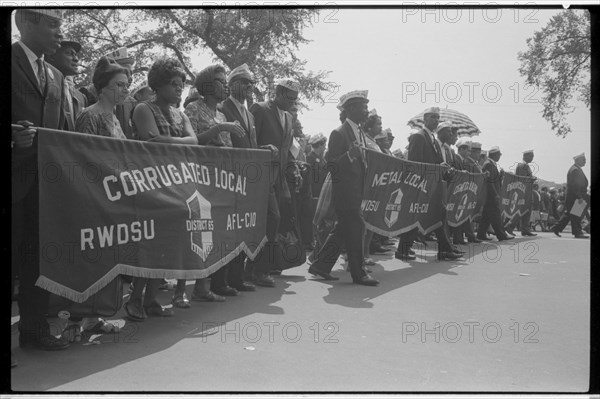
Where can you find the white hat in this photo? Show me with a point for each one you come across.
(241, 72)
(432, 110)
(48, 12)
(463, 141)
(289, 84)
(483, 152)
(388, 131)
(475, 145)
(121, 55)
(494, 149)
(442, 125)
(528, 152)
(373, 112)
(353, 96)
(582, 155)
(317, 138)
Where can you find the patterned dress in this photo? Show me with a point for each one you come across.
(170, 124)
(93, 120)
(202, 119)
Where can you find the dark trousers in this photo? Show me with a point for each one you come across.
(269, 256)
(305, 213)
(32, 300)
(349, 231)
(568, 217)
(407, 240)
(491, 215)
(231, 274)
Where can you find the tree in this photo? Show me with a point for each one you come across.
(557, 61)
(265, 39)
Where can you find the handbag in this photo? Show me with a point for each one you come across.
(104, 303)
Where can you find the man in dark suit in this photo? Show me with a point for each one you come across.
(347, 167)
(523, 169)
(37, 99)
(576, 190)
(65, 60)
(491, 213)
(425, 147)
(273, 125)
(471, 165)
(229, 279)
(463, 146)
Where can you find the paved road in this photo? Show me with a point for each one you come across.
(511, 317)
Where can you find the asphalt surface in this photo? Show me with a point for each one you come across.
(511, 317)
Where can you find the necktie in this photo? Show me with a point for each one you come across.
(41, 73)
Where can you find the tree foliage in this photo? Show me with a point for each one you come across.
(266, 39)
(557, 62)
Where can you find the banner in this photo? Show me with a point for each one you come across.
(400, 195)
(466, 194)
(517, 195)
(110, 207)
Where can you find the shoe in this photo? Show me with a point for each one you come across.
(366, 280)
(181, 302)
(275, 272)
(209, 297)
(405, 257)
(158, 311)
(528, 234)
(483, 238)
(474, 240)
(556, 233)
(13, 360)
(244, 286)
(505, 238)
(387, 242)
(510, 236)
(460, 242)
(135, 310)
(264, 281)
(581, 236)
(47, 342)
(321, 274)
(377, 249)
(410, 251)
(448, 256)
(457, 251)
(225, 291)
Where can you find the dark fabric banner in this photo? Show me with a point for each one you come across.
(110, 207)
(466, 193)
(517, 195)
(400, 195)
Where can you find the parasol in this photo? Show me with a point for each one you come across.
(465, 125)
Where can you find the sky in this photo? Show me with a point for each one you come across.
(462, 59)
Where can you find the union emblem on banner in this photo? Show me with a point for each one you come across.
(392, 209)
(200, 225)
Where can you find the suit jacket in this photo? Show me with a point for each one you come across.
(459, 162)
(318, 172)
(270, 130)
(347, 177)
(422, 149)
(79, 103)
(523, 169)
(232, 114)
(577, 184)
(42, 108)
(494, 180)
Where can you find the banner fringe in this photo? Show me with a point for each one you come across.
(404, 230)
(144, 272)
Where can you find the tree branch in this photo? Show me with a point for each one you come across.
(114, 40)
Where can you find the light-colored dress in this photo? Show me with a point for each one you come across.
(94, 120)
(202, 119)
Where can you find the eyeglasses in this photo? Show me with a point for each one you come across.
(121, 85)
